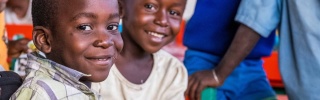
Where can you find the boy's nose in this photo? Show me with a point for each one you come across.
(103, 43)
(161, 18)
(104, 38)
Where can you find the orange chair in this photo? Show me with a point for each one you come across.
(19, 30)
(208, 93)
(179, 38)
(272, 69)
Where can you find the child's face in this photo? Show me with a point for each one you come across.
(2, 5)
(153, 23)
(87, 37)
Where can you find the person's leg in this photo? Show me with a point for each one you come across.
(248, 82)
(255, 85)
(198, 61)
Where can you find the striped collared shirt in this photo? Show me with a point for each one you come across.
(47, 80)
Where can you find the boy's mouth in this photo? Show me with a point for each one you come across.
(98, 59)
(155, 36)
(101, 60)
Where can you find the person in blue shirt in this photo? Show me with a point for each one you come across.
(298, 22)
(215, 59)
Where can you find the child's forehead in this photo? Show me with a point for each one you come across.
(71, 3)
(182, 2)
(93, 9)
(159, 1)
(82, 5)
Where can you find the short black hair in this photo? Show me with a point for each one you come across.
(44, 13)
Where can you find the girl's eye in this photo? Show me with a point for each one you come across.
(149, 6)
(84, 27)
(172, 12)
(112, 27)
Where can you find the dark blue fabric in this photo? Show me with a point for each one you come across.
(9, 83)
(212, 28)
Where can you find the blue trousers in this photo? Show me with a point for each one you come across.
(247, 82)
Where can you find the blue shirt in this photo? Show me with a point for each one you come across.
(299, 25)
(212, 30)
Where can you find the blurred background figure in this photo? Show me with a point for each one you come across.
(209, 58)
(16, 33)
(3, 48)
(18, 12)
(176, 48)
(298, 23)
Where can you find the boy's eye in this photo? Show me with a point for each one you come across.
(175, 13)
(112, 27)
(84, 27)
(149, 6)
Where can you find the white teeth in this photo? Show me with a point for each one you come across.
(156, 34)
(101, 59)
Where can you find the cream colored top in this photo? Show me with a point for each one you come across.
(167, 81)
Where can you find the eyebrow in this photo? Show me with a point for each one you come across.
(177, 4)
(88, 15)
(91, 15)
(113, 16)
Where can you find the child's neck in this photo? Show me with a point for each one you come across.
(134, 63)
(135, 70)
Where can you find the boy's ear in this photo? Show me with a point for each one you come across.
(41, 39)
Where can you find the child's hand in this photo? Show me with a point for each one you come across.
(199, 81)
(15, 48)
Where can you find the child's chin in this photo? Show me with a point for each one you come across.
(97, 78)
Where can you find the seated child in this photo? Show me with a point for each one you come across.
(143, 71)
(81, 41)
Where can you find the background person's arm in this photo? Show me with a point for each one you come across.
(15, 48)
(242, 44)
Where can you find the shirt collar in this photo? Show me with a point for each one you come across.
(53, 68)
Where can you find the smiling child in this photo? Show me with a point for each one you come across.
(80, 44)
(143, 71)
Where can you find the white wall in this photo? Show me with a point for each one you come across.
(189, 9)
